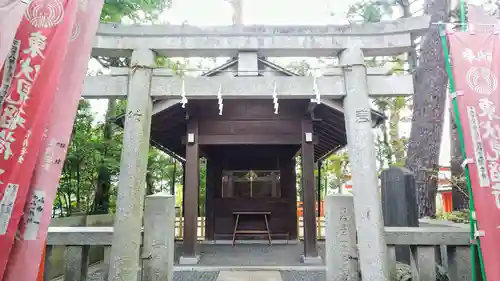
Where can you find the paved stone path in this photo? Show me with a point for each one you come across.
(195, 275)
(96, 273)
(251, 255)
(249, 276)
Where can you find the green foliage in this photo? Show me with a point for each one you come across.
(371, 10)
(336, 169)
(456, 216)
(134, 10)
(89, 151)
(391, 146)
(403, 272)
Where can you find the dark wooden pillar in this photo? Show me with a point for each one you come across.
(218, 181)
(183, 186)
(293, 184)
(318, 184)
(192, 174)
(217, 195)
(288, 184)
(307, 156)
(209, 199)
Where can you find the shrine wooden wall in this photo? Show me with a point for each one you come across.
(249, 122)
(250, 136)
(283, 209)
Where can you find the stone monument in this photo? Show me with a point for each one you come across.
(399, 203)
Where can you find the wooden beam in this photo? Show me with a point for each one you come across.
(267, 139)
(250, 127)
(159, 106)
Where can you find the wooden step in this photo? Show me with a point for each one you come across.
(252, 232)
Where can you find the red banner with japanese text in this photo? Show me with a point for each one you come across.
(24, 260)
(476, 65)
(11, 13)
(43, 37)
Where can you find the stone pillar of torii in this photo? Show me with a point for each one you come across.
(352, 82)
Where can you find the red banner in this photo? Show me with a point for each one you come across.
(41, 271)
(476, 65)
(11, 13)
(43, 37)
(26, 254)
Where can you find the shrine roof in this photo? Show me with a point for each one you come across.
(168, 127)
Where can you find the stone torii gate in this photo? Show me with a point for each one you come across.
(144, 83)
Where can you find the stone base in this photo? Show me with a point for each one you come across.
(189, 260)
(311, 260)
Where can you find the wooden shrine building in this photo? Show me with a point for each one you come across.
(250, 152)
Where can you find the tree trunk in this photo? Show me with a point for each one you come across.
(460, 198)
(61, 206)
(428, 111)
(101, 199)
(67, 197)
(149, 184)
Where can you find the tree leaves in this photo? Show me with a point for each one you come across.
(90, 153)
(371, 11)
(133, 10)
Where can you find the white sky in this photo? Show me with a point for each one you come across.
(271, 12)
(279, 12)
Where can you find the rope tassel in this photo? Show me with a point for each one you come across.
(275, 99)
(183, 94)
(219, 99)
(316, 91)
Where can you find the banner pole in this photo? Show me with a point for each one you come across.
(463, 26)
(475, 247)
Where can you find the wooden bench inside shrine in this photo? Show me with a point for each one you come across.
(245, 224)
